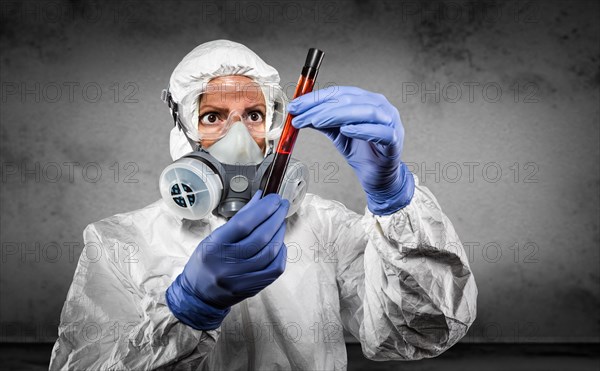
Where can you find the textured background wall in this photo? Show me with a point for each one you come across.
(499, 102)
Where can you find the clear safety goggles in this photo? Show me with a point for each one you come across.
(260, 107)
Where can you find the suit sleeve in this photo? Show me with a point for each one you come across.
(406, 289)
(108, 323)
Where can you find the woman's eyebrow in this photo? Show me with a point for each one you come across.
(256, 106)
(208, 107)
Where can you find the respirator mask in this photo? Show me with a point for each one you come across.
(228, 166)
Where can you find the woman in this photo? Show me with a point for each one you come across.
(261, 291)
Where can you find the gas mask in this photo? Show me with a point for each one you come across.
(223, 177)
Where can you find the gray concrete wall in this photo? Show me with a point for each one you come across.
(513, 160)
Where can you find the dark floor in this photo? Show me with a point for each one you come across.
(463, 357)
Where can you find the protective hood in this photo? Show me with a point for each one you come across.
(204, 63)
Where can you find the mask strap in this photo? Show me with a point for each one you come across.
(166, 97)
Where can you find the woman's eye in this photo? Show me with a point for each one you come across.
(255, 117)
(209, 118)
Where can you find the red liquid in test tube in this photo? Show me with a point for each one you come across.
(289, 134)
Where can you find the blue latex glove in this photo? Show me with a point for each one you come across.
(236, 261)
(367, 130)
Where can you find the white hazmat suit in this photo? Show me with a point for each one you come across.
(400, 284)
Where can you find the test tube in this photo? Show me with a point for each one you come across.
(289, 133)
